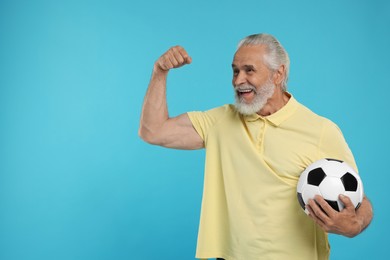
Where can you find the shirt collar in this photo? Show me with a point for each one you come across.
(279, 116)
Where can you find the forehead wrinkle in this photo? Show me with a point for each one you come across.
(250, 54)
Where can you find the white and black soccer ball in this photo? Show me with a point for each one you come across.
(330, 178)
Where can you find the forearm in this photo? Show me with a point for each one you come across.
(154, 110)
(365, 213)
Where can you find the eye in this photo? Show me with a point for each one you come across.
(235, 72)
(249, 70)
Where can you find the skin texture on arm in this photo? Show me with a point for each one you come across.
(349, 222)
(156, 127)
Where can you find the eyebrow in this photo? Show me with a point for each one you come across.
(244, 66)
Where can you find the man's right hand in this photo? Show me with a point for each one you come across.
(175, 57)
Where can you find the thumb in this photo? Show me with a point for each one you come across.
(347, 202)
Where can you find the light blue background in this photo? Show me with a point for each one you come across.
(76, 182)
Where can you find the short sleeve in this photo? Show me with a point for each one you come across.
(203, 121)
(333, 144)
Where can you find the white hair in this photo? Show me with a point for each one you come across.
(276, 55)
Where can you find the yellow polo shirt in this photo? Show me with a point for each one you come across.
(250, 209)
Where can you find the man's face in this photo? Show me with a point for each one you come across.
(252, 79)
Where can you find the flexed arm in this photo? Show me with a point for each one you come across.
(156, 127)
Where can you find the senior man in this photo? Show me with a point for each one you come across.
(256, 150)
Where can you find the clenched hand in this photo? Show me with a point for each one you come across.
(175, 57)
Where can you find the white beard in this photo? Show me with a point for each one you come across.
(261, 97)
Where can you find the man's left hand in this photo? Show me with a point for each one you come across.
(345, 223)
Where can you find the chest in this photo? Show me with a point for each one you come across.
(285, 149)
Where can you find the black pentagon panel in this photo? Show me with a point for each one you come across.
(316, 176)
(358, 205)
(349, 181)
(333, 204)
(300, 199)
(335, 160)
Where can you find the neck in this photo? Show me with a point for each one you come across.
(278, 100)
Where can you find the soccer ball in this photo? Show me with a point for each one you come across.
(330, 178)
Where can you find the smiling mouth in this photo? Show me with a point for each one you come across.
(244, 92)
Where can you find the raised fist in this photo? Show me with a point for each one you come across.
(175, 57)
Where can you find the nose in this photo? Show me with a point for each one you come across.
(239, 79)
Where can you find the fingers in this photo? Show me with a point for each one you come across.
(329, 219)
(329, 211)
(314, 216)
(321, 212)
(320, 208)
(181, 55)
(175, 57)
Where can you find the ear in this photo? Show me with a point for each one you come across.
(279, 75)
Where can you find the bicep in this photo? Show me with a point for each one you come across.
(179, 133)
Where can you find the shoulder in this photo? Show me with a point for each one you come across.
(310, 123)
(203, 121)
(212, 115)
(306, 118)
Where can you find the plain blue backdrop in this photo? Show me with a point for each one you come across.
(77, 183)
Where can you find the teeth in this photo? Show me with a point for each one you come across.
(245, 90)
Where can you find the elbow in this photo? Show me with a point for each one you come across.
(147, 136)
(143, 134)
